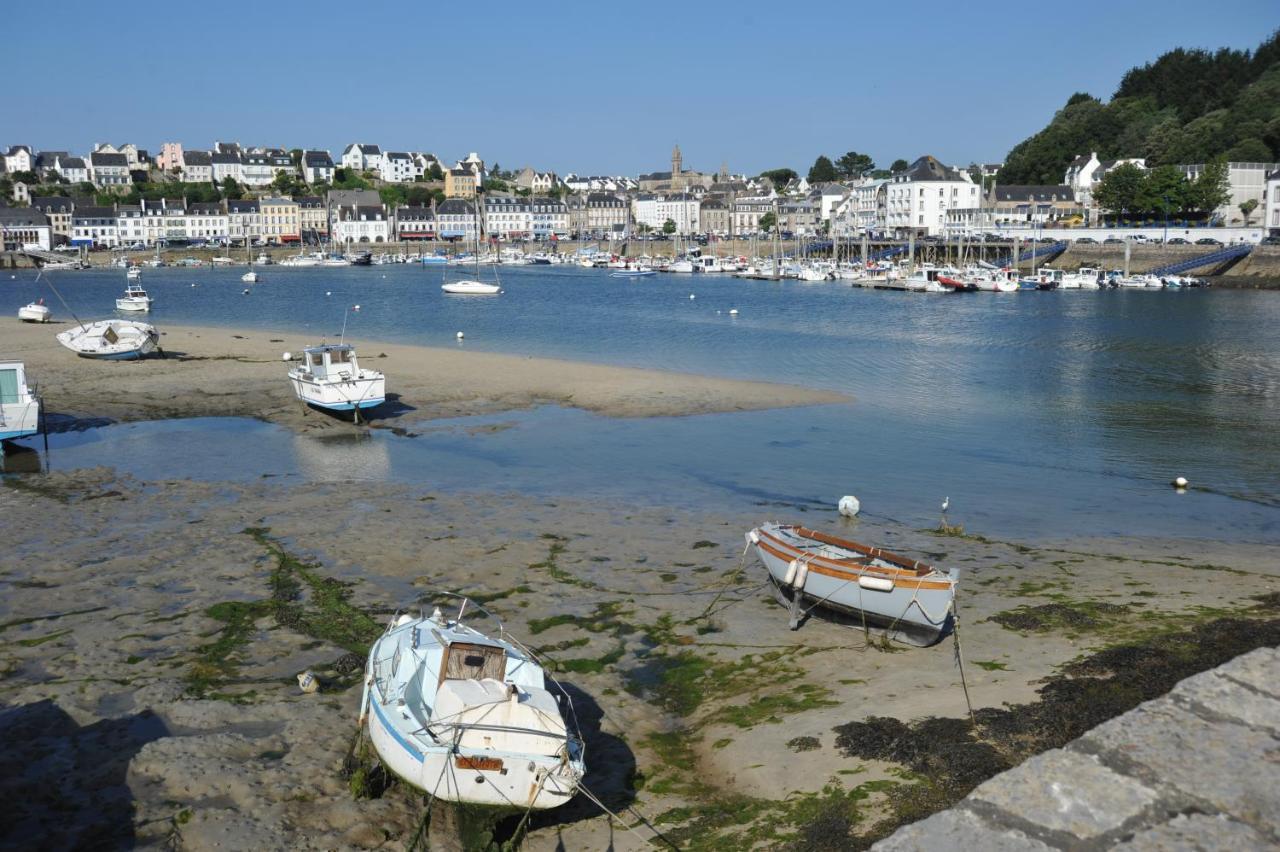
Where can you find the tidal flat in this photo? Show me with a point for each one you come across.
(151, 632)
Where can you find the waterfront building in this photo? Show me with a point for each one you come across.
(1031, 206)
(197, 167)
(94, 226)
(827, 196)
(109, 169)
(656, 210)
(129, 226)
(459, 183)
(313, 219)
(1270, 210)
(549, 217)
(360, 157)
(715, 216)
(225, 164)
(456, 220)
(58, 210)
(364, 223)
(73, 169)
(507, 217)
(396, 167)
(352, 198)
(1246, 182)
(173, 219)
(19, 159)
(244, 221)
(22, 226)
(918, 199)
(317, 167)
(207, 221)
(415, 223)
(749, 210)
(799, 216)
(606, 215)
(281, 221)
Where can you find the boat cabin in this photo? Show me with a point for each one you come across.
(330, 361)
(473, 661)
(13, 383)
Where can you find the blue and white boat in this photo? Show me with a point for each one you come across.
(468, 718)
(111, 340)
(329, 376)
(19, 405)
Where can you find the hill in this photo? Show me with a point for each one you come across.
(1188, 106)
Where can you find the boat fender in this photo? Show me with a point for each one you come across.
(801, 576)
(849, 506)
(308, 682)
(876, 584)
(754, 536)
(792, 568)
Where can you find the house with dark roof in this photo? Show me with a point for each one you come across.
(361, 156)
(73, 169)
(917, 200)
(225, 164)
(313, 218)
(19, 159)
(396, 167)
(109, 170)
(244, 221)
(456, 220)
(415, 223)
(22, 227)
(94, 225)
(360, 224)
(317, 167)
(197, 166)
(59, 209)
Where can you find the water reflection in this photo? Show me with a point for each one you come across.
(334, 458)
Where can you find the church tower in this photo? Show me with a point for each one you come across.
(675, 164)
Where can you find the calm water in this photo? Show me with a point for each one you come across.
(1039, 414)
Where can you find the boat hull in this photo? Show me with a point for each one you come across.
(471, 288)
(133, 340)
(340, 395)
(916, 610)
(34, 313)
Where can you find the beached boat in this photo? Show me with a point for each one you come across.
(37, 311)
(111, 340)
(134, 299)
(329, 376)
(19, 405)
(911, 600)
(468, 718)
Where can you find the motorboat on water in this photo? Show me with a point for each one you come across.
(37, 311)
(471, 288)
(134, 299)
(250, 277)
(468, 717)
(633, 273)
(19, 403)
(1085, 278)
(914, 602)
(111, 340)
(134, 273)
(329, 376)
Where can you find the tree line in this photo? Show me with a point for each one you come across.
(1129, 189)
(849, 166)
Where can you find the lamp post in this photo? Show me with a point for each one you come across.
(1165, 199)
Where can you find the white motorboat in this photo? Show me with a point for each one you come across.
(250, 277)
(1086, 278)
(913, 601)
(37, 311)
(682, 265)
(134, 273)
(301, 260)
(134, 299)
(638, 272)
(112, 340)
(19, 404)
(471, 288)
(329, 376)
(468, 718)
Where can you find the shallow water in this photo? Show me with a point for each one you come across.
(1038, 414)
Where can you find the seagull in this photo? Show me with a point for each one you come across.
(946, 503)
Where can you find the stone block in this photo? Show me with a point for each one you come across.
(1260, 669)
(1224, 697)
(1066, 791)
(1196, 833)
(958, 830)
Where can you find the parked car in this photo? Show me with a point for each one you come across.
(1087, 241)
(1113, 241)
(1179, 241)
(1271, 241)
(1208, 241)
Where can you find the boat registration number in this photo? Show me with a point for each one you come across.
(486, 764)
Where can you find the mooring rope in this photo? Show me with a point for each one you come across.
(955, 632)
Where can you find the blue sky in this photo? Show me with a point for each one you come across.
(595, 87)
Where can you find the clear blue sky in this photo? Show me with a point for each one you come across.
(591, 87)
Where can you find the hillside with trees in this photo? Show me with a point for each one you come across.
(1188, 106)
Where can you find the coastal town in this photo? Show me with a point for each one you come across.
(124, 197)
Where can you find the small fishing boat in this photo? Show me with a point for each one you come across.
(134, 299)
(250, 277)
(111, 340)
(633, 273)
(467, 718)
(37, 311)
(134, 273)
(19, 404)
(912, 601)
(330, 377)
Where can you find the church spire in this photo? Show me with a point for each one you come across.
(675, 161)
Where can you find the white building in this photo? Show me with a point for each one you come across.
(827, 196)
(206, 220)
(21, 227)
(456, 220)
(918, 199)
(1270, 209)
(197, 167)
(1248, 182)
(256, 168)
(108, 169)
(548, 216)
(19, 159)
(73, 169)
(415, 223)
(244, 221)
(92, 226)
(364, 223)
(359, 156)
(225, 164)
(396, 167)
(317, 167)
(749, 210)
(507, 217)
(1086, 172)
(422, 164)
(656, 210)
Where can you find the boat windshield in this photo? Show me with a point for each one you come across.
(340, 356)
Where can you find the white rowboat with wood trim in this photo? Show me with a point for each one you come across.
(914, 602)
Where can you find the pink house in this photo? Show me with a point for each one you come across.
(170, 156)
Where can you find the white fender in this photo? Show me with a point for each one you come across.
(801, 576)
(876, 584)
(792, 568)
(754, 536)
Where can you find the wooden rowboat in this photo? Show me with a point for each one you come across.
(911, 600)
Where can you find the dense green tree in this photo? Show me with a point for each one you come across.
(1247, 208)
(231, 188)
(1211, 189)
(1120, 189)
(899, 166)
(854, 165)
(393, 195)
(822, 170)
(780, 177)
(295, 154)
(1249, 151)
(435, 172)
(1164, 190)
(287, 183)
(767, 221)
(669, 227)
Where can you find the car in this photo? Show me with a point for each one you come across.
(1208, 241)
(1112, 241)
(1088, 241)
(1271, 241)
(1179, 241)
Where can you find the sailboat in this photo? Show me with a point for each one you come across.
(472, 287)
(249, 277)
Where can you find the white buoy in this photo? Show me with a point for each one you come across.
(355, 307)
(461, 335)
(1180, 483)
(193, 284)
(308, 682)
(691, 296)
(288, 356)
(328, 292)
(246, 291)
(849, 506)
(733, 312)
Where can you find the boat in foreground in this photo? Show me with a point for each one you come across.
(329, 376)
(19, 405)
(37, 311)
(112, 340)
(467, 718)
(134, 299)
(471, 288)
(914, 602)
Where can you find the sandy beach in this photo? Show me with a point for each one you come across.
(148, 657)
(213, 372)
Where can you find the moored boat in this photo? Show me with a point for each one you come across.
(329, 376)
(111, 340)
(19, 404)
(134, 299)
(37, 311)
(471, 288)
(914, 602)
(468, 718)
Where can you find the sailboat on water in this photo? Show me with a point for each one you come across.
(473, 286)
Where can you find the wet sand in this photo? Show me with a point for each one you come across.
(137, 709)
(219, 372)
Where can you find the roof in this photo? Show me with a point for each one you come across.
(101, 159)
(371, 210)
(310, 202)
(14, 149)
(397, 155)
(242, 205)
(45, 159)
(52, 203)
(317, 158)
(197, 158)
(222, 158)
(415, 213)
(927, 168)
(95, 213)
(455, 206)
(73, 163)
(205, 208)
(22, 216)
(1014, 192)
